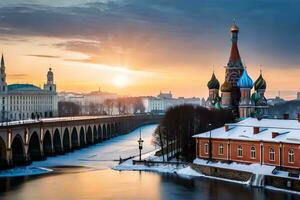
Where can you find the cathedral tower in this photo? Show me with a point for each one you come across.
(245, 84)
(213, 88)
(234, 69)
(50, 86)
(3, 84)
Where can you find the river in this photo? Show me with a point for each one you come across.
(96, 180)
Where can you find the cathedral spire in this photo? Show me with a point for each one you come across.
(234, 58)
(2, 61)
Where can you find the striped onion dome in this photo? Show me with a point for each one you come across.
(213, 83)
(260, 83)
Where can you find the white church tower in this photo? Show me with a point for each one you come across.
(50, 86)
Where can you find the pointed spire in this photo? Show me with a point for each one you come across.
(2, 61)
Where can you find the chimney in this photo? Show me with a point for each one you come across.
(226, 128)
(298, 117)
(255, 130)
(274, 134)
(286, 116)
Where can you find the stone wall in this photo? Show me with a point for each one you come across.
(222, 173)
(284, 183)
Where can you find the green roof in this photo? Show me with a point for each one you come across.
(23, 87)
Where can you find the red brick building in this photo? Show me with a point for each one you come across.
(273, 142)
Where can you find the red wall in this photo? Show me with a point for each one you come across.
(246, 158)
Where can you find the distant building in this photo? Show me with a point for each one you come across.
(267, 141)
(24, 101)
(92, 100)
(276, 100)
(298, 95)
(164, 101)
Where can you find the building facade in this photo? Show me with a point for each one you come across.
(273, 142)
(25, 101)
(236, 90)
(164, 101)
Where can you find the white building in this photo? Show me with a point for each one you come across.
(164, 101)
(24, 101)
(87, 101)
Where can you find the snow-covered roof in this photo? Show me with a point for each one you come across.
(288, 131)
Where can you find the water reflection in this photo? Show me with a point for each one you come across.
(109, 184)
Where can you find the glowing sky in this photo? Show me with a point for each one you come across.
(139, 47)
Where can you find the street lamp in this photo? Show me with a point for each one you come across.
(140, 141)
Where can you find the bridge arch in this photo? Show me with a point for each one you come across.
(74, 138)
(47, 144)
(116, 129)
(34, 147)
(109, 131)
(89, 136)
(104, 132)
(3, 159)
(95, 134)
(57, 144)
(66, 140)
(18, 151)
(100, 136)
(82, 137)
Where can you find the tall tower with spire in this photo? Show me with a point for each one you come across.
(3, 84)
(234, 68)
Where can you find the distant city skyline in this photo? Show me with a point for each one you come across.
(140, 47)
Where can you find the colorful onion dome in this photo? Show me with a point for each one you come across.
(245, 81)
(260, 83)
(226, 87)
(213, 83)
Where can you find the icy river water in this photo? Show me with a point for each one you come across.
(91, 178)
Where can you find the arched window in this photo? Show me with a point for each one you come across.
(206, 148)
(291, 158)
(271, 154)
(221, 149)
(253, 152)
(240, 151)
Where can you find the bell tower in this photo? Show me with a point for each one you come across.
(50, 86)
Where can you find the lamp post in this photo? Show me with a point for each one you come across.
(140, 141)
(210, 143)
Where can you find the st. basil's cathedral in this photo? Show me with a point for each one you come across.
(236, 89)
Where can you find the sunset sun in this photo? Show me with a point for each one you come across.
(120, 81)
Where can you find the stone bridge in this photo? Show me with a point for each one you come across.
(23, 142)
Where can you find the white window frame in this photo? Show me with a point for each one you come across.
(206, 148)
(240, 151)
(291, 156)
(271, 153)
(221, 149)
(253, 152)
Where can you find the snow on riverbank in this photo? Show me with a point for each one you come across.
(98, 156)
(252, 168)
